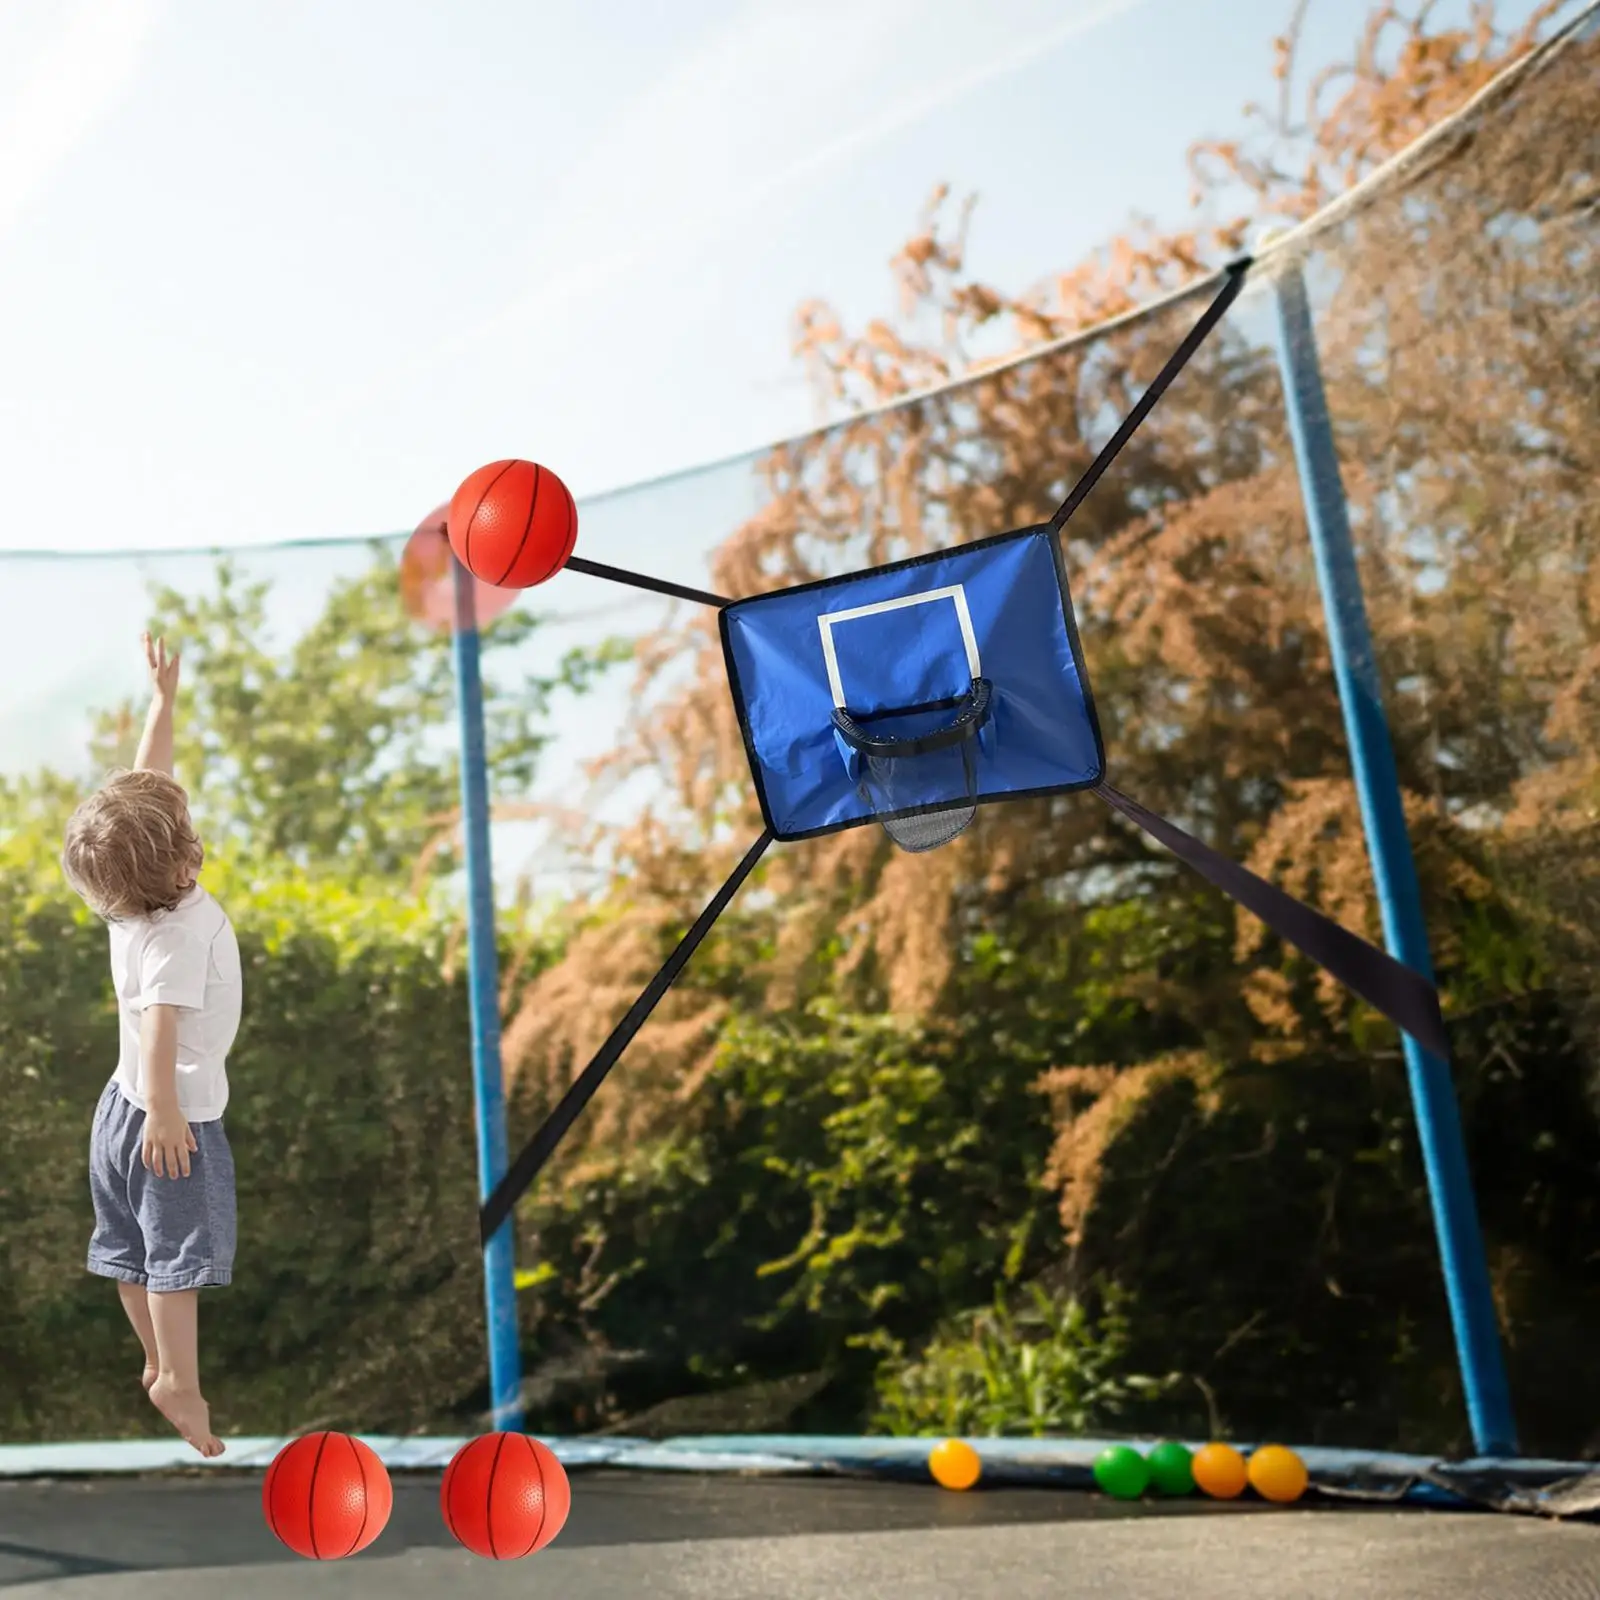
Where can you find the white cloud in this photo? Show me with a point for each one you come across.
(67, 86)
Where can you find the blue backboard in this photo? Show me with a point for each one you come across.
(904, 642)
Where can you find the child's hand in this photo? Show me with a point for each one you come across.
(163, 669)
(168, 1140)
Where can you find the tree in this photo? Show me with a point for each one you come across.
(1457, 334)
(1194, 580)
(338, 751)
(323, 772)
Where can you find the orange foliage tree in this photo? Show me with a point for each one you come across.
(1458, 336)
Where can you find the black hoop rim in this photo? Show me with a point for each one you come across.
(973, 709)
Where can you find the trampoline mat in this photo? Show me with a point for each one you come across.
(637, 1537)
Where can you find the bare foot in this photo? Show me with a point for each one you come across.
(148, 1376)
(188, 1412)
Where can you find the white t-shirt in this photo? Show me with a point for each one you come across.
(188, 958)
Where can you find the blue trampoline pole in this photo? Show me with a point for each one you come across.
(499, 1273)
(1444, 1155)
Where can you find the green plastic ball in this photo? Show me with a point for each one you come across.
(1171, 1470)
(1121, 1472)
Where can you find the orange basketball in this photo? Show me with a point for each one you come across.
(505, 1496)
(327, 1496)
(427, 579)
(513, 524)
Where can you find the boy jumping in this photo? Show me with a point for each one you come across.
(160, 1170)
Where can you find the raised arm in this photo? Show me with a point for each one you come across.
(155, 747)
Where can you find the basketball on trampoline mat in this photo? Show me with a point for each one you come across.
(326, 1496)
(513, 524)
(505, 1496)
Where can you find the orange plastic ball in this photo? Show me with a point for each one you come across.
(1278, 1474)
(1220, 1472)
(954, 1464)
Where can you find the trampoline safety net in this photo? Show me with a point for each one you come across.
(909, 1089)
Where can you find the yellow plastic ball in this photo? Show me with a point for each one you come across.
(1278, 1474)
(954, 1464)
(1219, 1471)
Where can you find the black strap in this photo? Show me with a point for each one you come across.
(542, 1145)
(1400, 992)
(972, 711)
(637, 580)
(1233, 283)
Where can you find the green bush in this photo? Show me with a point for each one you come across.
(358, 1295)
(1042, 1367)
(838, 1177)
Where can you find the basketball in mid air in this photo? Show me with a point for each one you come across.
(513, 524)
(428, 584)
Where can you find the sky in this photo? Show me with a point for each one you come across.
(285, 270)
(279, 269)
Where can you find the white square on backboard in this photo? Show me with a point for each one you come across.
(954, 592)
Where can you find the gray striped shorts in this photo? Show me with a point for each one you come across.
(165, 1233)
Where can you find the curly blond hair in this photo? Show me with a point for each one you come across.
(130, 848)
